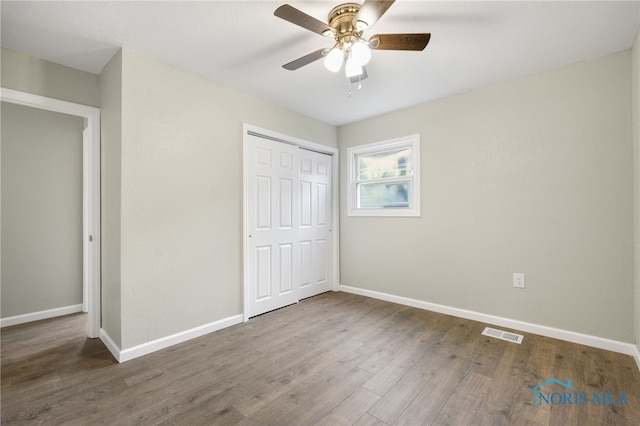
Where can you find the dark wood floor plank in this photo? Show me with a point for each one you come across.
(401, 362)
(464, 405)
(269, 386)
(336, 359)
(508, 378)
(369, 420)
(316, 397)
(351, 409)
(439, 383)
(394, 402)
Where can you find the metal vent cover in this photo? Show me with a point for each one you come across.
(503, 335)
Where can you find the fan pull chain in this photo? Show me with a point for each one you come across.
(349, 93)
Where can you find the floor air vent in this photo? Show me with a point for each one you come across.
(503, 335)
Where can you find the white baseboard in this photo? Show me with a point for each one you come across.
(556, 333)
(123, 355)
(37, 316)
(110, 344)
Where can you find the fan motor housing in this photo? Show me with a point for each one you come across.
(341, 19)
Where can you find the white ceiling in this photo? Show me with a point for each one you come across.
(241, 44)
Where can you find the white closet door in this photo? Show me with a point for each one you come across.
(273, 246)
(315, 223)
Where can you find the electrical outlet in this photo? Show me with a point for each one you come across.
(518, 280)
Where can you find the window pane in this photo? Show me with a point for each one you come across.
(381, 165)
(383, 195)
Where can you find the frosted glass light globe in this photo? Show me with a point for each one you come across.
(361, 53)
(333, 61)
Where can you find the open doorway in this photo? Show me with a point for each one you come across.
(90, 128)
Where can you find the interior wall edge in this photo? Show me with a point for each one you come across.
(635, 110)
(111, 345)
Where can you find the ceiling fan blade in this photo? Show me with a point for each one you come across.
(399, 41)
(295, 16)
(370, 12)
(306, 59)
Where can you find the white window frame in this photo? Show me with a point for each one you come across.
(411, 141)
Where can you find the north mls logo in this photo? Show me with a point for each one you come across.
(570, 396)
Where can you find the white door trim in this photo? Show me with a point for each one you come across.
(90, 192)
(335, 240)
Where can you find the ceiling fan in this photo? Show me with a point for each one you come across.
(347, 23)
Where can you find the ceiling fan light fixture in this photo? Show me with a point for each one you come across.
(333, 61)
(352, 68)
(345, 25)
(360, 53)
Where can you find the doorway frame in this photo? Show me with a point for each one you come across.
(248, 129)
(91, 280)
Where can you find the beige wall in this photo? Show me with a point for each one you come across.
(32, 75)
(533, 176)
(635, 72)
(110, 142)
(41, 210)
(171, 186)
(181, 195)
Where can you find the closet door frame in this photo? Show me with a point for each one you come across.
(253, 131)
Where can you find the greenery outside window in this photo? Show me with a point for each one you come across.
(384, 178)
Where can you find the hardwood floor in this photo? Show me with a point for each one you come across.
(334, 359)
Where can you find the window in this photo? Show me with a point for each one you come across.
(384, 178)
